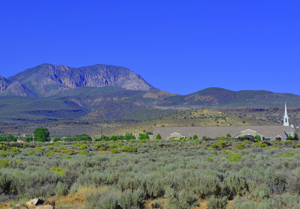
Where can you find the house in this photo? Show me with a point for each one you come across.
(21, 141)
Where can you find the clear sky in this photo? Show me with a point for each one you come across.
(177, 46)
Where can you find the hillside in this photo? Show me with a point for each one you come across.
(222, 98)
(49, 80)
(190, 117)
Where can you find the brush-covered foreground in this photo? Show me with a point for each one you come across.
(154, 174)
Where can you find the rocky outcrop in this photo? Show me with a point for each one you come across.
(48, 80)
(34, 202)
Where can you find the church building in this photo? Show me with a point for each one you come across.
(265, 132)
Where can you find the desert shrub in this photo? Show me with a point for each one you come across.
(235, 185)
(206, 186)
(61, 189)
(214, 145)
(59, 171)
(114, 151)
(82, 152)
(4, 163)
(129, 149)
(14, 149)
(30, 153)
(102, 148)
(180, 200)
(210, 159)
(288, 154)
(221, 143)
(217, 203)
(131, 199)
(50, 153)
(39, 149)
(104, 200)
(157, 205)
(83, 146)
(74, 188)
(240, 146)
(246, 141)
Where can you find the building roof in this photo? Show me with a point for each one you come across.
(217, 131)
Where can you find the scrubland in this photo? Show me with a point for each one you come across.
(153, 174)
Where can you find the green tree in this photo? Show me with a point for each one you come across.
(195, 137)
(257, 137)
(158, 136)
(43, 132)
(56, 139)
(228, 136)
(41, 138)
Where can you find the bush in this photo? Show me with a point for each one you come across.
(257, 137)
(30, 153)
(287, 155)
(210, 159)
(56, 139)
(82, 152)
(157, 205)
(59, 171)
(129, 149)
(240, 146)
(247, 142)
(217, 203)
(61, 189)
(14, 149)
(131, 199)
(113, 146)
(158, 136)
(39, 149)
(102, 148)
(228, 136)
(233, 156)
(181, 200)
(83, 146)
(50, 153)
(4, 163)
(221, 143)
(214, 145)
(114, 151)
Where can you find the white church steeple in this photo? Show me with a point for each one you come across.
(285, 117)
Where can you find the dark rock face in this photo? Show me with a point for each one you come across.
(49, 80)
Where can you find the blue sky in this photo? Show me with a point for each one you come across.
(177, 46)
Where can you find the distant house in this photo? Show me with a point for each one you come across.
(21, 141)
(265, 132)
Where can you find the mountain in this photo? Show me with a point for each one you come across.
(3, 84)
(49, 80)
(221, 98)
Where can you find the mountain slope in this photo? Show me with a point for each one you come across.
(3, 84)
(50, 80)
(221, 98)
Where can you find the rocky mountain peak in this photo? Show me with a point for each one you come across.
(48, 80)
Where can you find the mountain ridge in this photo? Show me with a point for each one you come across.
(50, 80)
